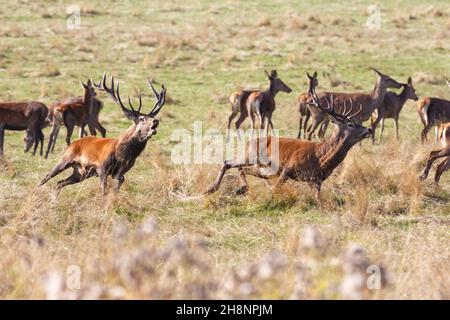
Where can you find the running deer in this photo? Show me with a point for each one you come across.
(24, 116)
(300, 160)
(444, 165)
(369, 102)
(256, 103)
(103, 157)
(433, 112)
(392, 106)
(80, 111)
(303, 110)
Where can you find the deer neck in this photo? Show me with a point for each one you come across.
(402, 97)
(377, 94)
(333, 151)
(88, 98)
(272, 89)
(129, 147)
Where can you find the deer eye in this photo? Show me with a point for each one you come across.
(351, 125)
(141, 119)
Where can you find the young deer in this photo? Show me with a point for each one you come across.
(444, 136)
(369, 102)
(24, 116)
(103, 157)
(432, 112)
(79, 111)
(300, 160)
(391, 107)
(302, 101)
(256, 103)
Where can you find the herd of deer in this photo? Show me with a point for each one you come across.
(297, 159)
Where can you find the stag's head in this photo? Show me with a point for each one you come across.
(387, 81)
(144, 125)
(347, 129)
(410, 90)
(276, 83)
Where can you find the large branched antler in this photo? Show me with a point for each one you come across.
(131, 112)
(347, 114)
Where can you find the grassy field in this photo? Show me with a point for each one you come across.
(159, 238)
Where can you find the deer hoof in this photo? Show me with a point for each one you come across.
(241, 191)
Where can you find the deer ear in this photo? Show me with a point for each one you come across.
(409, 80)
(315, 74)
(82, 84)
(89, 83)
(307, 74)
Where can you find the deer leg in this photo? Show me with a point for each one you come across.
(76, 177)
(2, 137)
(305, 123)
(253, 119)
(396, 127)
(434, 155)
(381, 130)
(120, 180)
(230, 118)
(226, 166)
(283, 177)
(60, 167)
(37, 139)
(52, 138)
(100, 128)
(441, 168)
(41, 138)
(323, 129)
(424, 132)
(300, 124)
(70, 127)
(380, 118)
(244, 183)
(313, 128)
(239, 122)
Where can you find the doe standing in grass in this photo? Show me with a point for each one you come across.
(103, 157)
(392, 106)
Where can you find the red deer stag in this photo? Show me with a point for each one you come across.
(256, 103)
(300, 160)
(81, 111)
(391, 107)
(103, 157)
(29, 116)
(303, 110)
(369, 102)
(432, 112)
(444, 136)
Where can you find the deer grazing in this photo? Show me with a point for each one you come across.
(256, 103)
(432, 112)
(300, 160)
(369, 102)
(103, 157)
(80, 111)
(24, 116)
(303, 109)
(391, 107)
(444, 137)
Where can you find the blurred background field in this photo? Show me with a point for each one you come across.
(158, 238)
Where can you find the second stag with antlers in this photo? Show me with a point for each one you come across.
(300, 160)
(103, 157)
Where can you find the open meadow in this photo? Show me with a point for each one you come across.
(379, 233)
